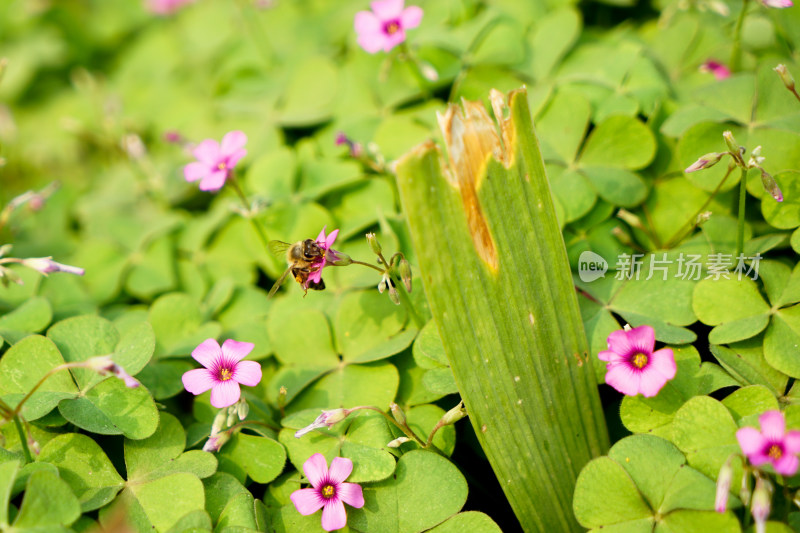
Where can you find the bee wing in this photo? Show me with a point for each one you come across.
(278, 249)
(280, 281)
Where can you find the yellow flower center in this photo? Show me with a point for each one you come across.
(222, 166)
(327, 491)
(775, 452)
(225, 374)
(392, 28)
(639, 360)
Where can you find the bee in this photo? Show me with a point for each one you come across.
(301, 256)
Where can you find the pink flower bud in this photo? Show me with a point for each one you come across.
(786, 76)
(215, 442)
(706, 161)
(326, 419)
(45, 265)
(761, 505)
(723, 486)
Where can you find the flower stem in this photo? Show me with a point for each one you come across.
(692, 223)
(405, 301)
(736, 52)
(23, 440)
(740, 227)
(439, 425)
(253, 423)
(259, 230)
(404, 428)
(65, 366)
(373, 267)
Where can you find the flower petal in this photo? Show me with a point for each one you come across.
(247, 373)
(235, 350)
(651, 381)
(366, 22)
(411, 17)
(315, 276)
(351, 494)
(619, 343)
(660, 369)
(207, 152)
(641, 339)
(611, 357)
(235, 157)
(750, 440)
(387, 9)
(773, 425)
(341, 467)
(787, 464)
(316, 469)
(207, 353)
(663, 361)
(214, 181)
(623, 378)
(195, 171)
(393, 40)
(371, 42)
(792, 441)
(232, 142)
(333, 515)
(198, 381)
(331, 238)
(307, 501)
(321, 236)
(225, 394)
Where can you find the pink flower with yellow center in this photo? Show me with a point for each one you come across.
(632, 365)
(773, 444)
(224, 371)
(329, 491)
(216, 161)
(385, 26)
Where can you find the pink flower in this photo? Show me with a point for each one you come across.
(633, 367)
(330, 255)
(329, 492)
(773, 444)
(719, 70)
(385, 26)
(224, 371)
(214, 161)
(165, 7)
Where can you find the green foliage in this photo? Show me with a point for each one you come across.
(620, 107)
(644, 484)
